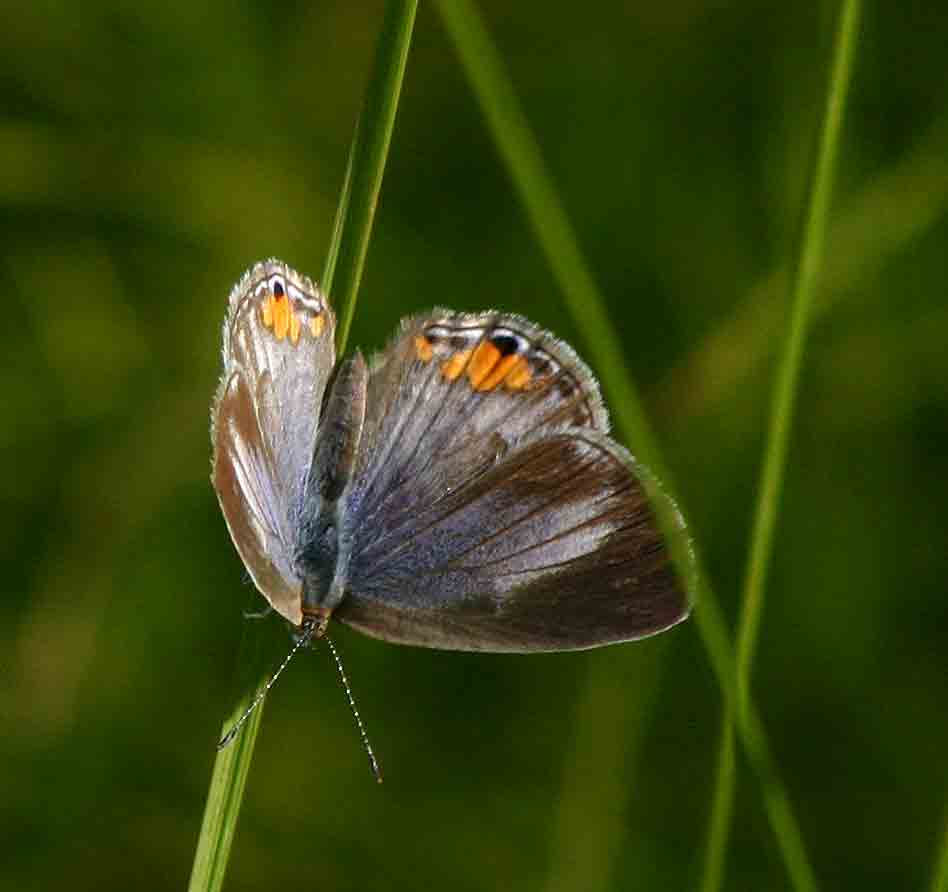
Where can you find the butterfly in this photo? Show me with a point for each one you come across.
(459, 490)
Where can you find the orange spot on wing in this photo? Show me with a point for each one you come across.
(295, 328)
(266, 312)
(499, 373)
(316, 325)
(519, 375)
(453, 367)
(281, 317)
(423, 348)
(483, 362)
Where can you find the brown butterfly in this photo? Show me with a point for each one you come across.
(459, 491)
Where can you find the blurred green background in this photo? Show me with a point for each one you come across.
(152, 151)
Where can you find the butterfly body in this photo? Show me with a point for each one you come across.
(458, 491)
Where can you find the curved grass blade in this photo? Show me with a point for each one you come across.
(807, 259)
(347, 252)
(492, 88)
(231, 767)
(722, 807)
(366, 166)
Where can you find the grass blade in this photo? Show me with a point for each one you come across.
(520, 152)
(231, 768)
(807, 259)
(351, 233)
(752, 736)
(809, 256)
(366, 166)
(722, 806)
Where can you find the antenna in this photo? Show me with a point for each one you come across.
(309, 628)
(373, 762)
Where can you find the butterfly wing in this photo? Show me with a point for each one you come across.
(451, 393)
(278, 355)
(492, 511)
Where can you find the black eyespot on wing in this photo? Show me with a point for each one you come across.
(506, 344)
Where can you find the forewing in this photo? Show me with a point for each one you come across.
(278, 355)
(492, 511)
(450, 396)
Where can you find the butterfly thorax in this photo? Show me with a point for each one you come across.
(324, 550)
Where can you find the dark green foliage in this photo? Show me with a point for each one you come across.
(151, 153)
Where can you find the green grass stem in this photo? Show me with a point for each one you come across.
(343, 272)
(807, 259)
(521, 154)
(366, 165)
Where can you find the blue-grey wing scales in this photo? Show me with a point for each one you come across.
(489, 509)
(278, 355)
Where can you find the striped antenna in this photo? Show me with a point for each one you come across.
(309, 628)
(373, 762)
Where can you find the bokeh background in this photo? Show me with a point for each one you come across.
(151, 151)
